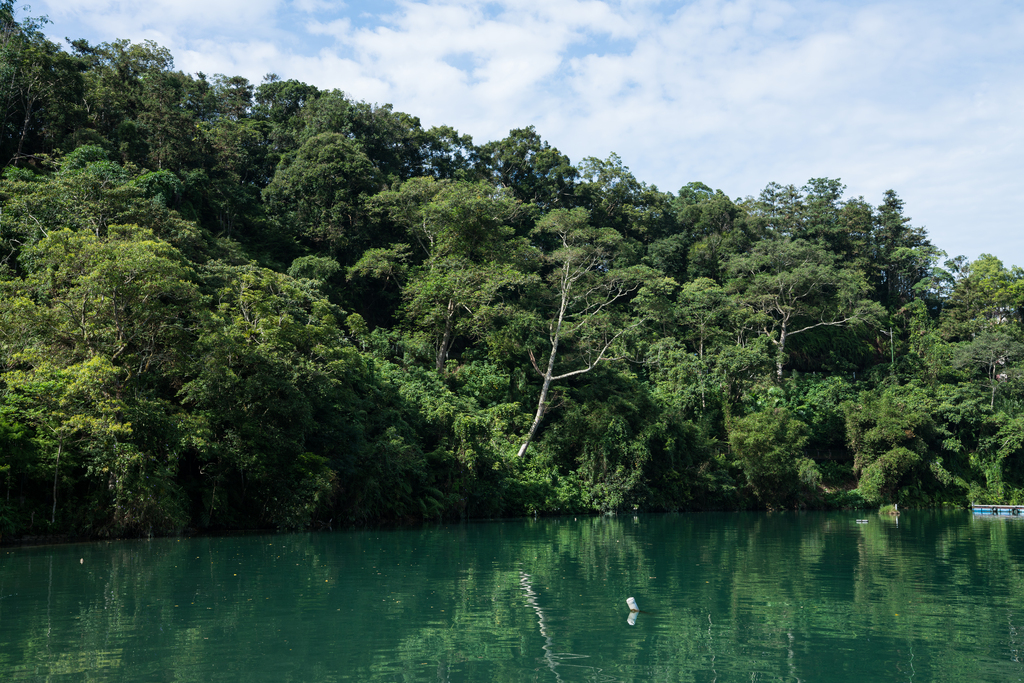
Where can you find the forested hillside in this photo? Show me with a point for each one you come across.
(236, 305)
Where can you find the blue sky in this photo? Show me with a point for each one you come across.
(926, 98)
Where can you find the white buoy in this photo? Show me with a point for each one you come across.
(632, 605)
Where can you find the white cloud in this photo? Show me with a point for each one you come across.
(311, 6)
(126, 19)
(339, 29)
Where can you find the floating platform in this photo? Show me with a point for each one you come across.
(998, 510)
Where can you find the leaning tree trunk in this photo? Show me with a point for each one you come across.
(780, 360)
(542, 403)
(446, 340)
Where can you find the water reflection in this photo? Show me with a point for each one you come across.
(553, 658)
(738, 597)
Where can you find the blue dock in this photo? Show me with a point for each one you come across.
(997, 510)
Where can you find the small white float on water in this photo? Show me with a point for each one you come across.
(633, 611)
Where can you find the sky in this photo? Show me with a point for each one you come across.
(922, 97)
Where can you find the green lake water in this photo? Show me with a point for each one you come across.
(727, 597)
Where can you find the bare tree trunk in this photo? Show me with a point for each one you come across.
(24, 128)
(577, 308)
(446, 341)
(542, 403)
(782, 353)
(549, 373)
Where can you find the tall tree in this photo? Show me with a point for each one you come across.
(465, 252)
(716, 229)
(531, 168)
(41, 91)
(795, 286)
(616, 199)
(984, 295)
(320, 193)
(901, 253)
(585, 315)
(994, 351)
(115, 83)
(778, 211)
(448, 155)
(123, 297)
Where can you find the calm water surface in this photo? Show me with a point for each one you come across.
(727, 597)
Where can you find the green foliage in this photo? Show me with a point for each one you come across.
(534, 171)
(686, 469)
(605, 441)
(897, 444)
(768, 446)
(584, 302)
(616, 199)
(793, 287)
(902, 255)
(41, 91)
(818, 401)
(714, 228)
(228, 305)
(466, 261)
(994, 351)
(144, 492)
(320, 192)
(75, 413)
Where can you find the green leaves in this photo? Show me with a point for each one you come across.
(769, 448)
(585, 302)
(533, 170)
(793, 286)
(175, 249)
(994, 351)
(41, 91)
(121, 295)
(894, 437)
(466, 260)
(74, 409)
(322, 189)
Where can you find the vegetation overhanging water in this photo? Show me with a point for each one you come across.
(227, 305)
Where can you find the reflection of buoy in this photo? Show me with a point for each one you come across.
(632, 605)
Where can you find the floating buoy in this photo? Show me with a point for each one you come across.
(633, 611)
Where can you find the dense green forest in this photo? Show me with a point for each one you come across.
(231, 305)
